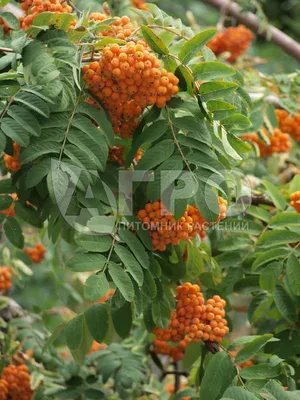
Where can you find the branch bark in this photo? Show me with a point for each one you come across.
(177, 378)
(256, 200)
(289, 45)
(18, 12)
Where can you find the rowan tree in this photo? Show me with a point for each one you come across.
(151, 170)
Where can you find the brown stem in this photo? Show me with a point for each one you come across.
(177, 378)
(213, 347)
(243, 309)
(92, 58)
(182, 373)
(289, 45)
(256, 200)
(74, 7)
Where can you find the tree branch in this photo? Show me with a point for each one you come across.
(182, 373)
(177, 378)
(212, 347)
(256, 200)
(289, 45)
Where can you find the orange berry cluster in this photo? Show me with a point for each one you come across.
(96, 347)
(122, 27)
(165, 229)
(116, 154)
(33, 8)
(279, 142)
(5, 279)
(234, 40)
(37, 253)
(289, 124)
(126, 80)
(3, 389)
(193, 320)
(10, 212)
(12, 162)
(140, 4)
(175, 352)
(295, 201)
(4, 26)
(18, 383)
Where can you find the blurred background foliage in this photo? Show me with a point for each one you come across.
(284, 14)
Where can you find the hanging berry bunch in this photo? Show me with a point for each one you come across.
(289, 124)
(5, 279)
(37, 253)
(234, 40)
(12, 162)
(126, 80)
(116, 154)
(140, 4)
(121, 27)
(193, 320)
(295, 201)
(17, 381)
(279, 142)
(165, 229)
(33, 8)
(176, 352)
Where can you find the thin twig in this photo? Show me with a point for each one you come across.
(7, 106)
(223, 15)
(161, 27)
(85, 44)
(114, 233)
(285, 42)
(92, 58)
(256, 200)
(169, 30)
(68, 129)
(182, 373)
(177, 143)
(7, 50)
(74, 7)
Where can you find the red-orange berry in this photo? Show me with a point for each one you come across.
(33, 8)
(12, 162)
(5, 279)
(191, 322)
(289, 124)
(295, 201)
(97, 347)
(234, 40)
(125, 82)
(165, 229)
(37, 253)
(18, 382)
(279, 142)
